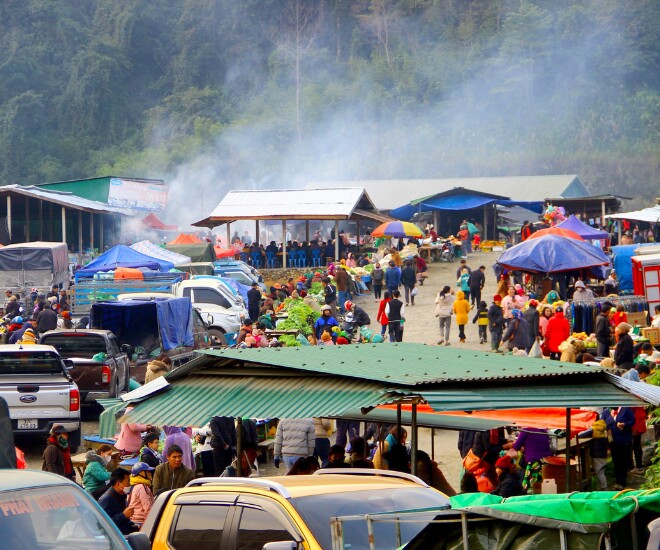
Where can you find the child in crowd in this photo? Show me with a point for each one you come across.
(481, 318)
(619, 317)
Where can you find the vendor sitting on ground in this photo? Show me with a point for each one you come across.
(326, 320)
(509, 483)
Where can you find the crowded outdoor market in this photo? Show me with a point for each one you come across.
(325, 349)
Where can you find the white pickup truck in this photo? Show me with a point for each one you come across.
(35, 383)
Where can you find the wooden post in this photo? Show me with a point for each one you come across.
(9, 216)
(398, 417)
(307, 231)
(101, 222)
(432, 443)
(436, 221)
(413, 446)
(80, 239)
(91, 230)
(337, 241)
(64, 224)
(602, 213)
(228, 236)
(239, 447)
(257, 236)
(357, 234)
(27, 219)
(485, 235)
(495, 233)
(41, 220)
(50, 221)
(283, 244)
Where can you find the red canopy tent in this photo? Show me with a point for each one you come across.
(186, 238)
(556, 231)
(224, 252)
(152, 222)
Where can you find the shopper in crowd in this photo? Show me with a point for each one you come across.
(535, 446)
(377, 278)
(325, 322)
(496, 322)
(531, 315)
(113, 501)
(96, 473)
(598, 448)
(558, 331)
(392, 277)
(149, 453)
(409, 281)
(223, 441)
(395, 311)
(395, 436)
(172, 474)
(624, 353)
(176, 436)
(510, 302)
(381, 317)
(476, 283)
(463, 283)
(461, 309)
(336, 457)
(582, 292)
(603, 330)
(322, 427)
(57, 455)
(508, 481)
(129, 439)
(141, 497)
(620, 426)
(157, 368)
(429, 472)
(546, 315)
(481, 318)
(248, 462)
(444, 307)
(517, 333)
(294, 438)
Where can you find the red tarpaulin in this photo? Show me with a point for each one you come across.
(186, 238)
(224, 252)
(152, 222)
(20, 459)
(547, 418)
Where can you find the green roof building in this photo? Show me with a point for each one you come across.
(133, 193)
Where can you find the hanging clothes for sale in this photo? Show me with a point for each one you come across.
(583, 313)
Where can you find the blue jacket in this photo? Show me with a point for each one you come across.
(625, 416)
(392, 277)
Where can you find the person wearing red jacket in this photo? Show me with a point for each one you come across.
(381, 316)
(558, 330)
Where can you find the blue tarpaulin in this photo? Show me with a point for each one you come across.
(623, 264)
(458, 202)
(122, 256)
(585, 231)
(133, 321)
(552, 254)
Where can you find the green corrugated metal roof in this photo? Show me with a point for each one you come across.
(585, 394)
(405, 364)
(194, 400)
(95, 189)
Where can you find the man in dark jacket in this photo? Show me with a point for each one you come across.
(46, 320)
(254, 302)
(603, 330)
(222, 441)
(113, 501)
(621, 430)
(496, 322)
(392, 277)
(330, 295)
(409, 280)
(517, 333)
(395, 312)
(531, 315)
(341, 282)
(476, 282)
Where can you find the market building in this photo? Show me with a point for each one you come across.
(33, 213)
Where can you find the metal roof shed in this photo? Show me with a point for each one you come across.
(337, 203)
(27, 218)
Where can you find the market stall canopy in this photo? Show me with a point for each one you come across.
(152, 221)
(447, 379)
(186, 238)
(552, 254)
(555, 231)
(339, 203)
(123, 256)
(650, 215)
(201, 252)
(150, 249)
(397, 229)
(585, 231)
(537, 417)
(224, 252)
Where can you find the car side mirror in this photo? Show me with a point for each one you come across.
(281, 545)
(209, 320)
(139, 541)
(127, 349)
(68, 364)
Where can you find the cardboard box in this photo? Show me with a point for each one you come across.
(637, 318)
(653, 335)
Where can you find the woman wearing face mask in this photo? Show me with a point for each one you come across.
(141, 496)
(57, 456)
(96, 472)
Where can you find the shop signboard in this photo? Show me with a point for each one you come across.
(140, 195)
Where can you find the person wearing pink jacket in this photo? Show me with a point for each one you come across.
(129, 440)
(141, 497)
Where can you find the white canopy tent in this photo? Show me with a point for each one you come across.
(650, 215)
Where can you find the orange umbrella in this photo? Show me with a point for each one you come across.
(556, 231)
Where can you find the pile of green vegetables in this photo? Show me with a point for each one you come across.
(316, 288)
(300, 317)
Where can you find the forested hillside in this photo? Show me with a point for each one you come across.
(218, 94)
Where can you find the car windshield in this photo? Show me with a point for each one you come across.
(54, 517)
(27, 362)
(317, 510)
(240, 277)
(76, 345)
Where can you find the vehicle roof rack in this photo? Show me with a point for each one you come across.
(245, 481)
(369, 472)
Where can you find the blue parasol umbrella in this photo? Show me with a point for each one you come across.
(552, 254)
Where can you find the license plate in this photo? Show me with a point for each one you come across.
(28, 424)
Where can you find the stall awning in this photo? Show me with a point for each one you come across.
(194, 400)
(513, 396)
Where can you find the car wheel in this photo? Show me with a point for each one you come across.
(218, 336)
